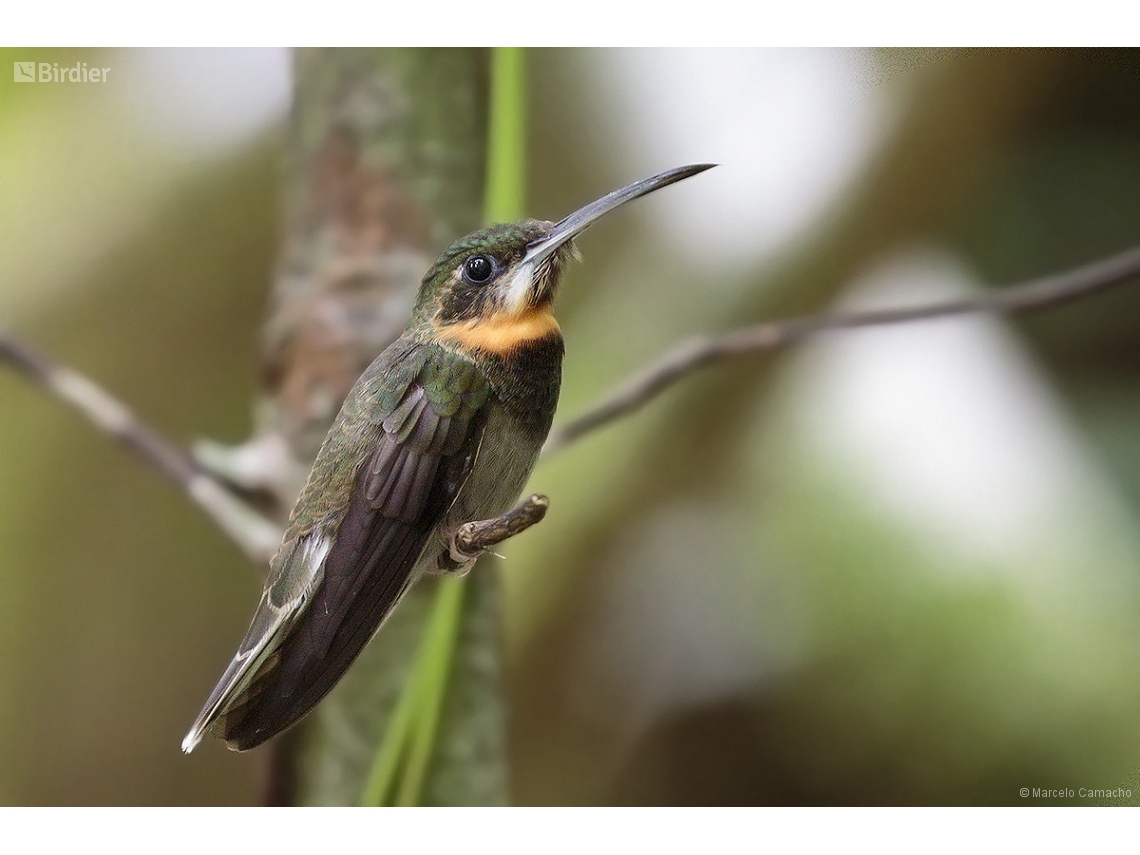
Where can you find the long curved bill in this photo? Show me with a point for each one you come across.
(577, 222)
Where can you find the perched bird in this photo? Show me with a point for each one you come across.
(441, 429)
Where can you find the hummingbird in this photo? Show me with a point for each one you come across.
(443, 428)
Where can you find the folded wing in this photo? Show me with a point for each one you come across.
(334, 589)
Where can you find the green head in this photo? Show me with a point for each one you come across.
(504, 278)
(486, 275)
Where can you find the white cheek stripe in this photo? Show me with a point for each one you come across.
(517, 295)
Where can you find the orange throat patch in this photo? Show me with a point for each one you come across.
(502, 333)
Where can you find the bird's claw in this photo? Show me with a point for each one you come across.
(455, 561)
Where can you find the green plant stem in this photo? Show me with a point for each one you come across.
(382, 777)
(439, 651)
(400, 768)
(406, 747)
(506, 143)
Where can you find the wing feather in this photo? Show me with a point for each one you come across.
(276, 613)
(423, 449)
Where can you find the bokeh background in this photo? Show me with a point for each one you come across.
(895, 566)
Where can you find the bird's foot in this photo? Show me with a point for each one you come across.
(455, 562)
(472, 539)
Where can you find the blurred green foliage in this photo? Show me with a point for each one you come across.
(110, 578)
(714, 611)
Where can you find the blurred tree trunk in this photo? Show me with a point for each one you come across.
(384, 168)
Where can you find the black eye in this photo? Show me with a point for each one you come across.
(478, 268)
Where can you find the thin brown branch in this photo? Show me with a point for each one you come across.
(258, 537)
(704, 351)
(255, 535)
(475, 538)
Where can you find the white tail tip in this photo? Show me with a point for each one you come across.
(192, 739)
